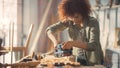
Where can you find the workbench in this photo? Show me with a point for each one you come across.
(96, 66)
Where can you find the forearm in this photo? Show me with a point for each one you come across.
(80, 44)
(70, 44)
(52, 37)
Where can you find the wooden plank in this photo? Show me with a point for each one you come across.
(22, 64)
(4, 51)
(28, 39)
(13, 49)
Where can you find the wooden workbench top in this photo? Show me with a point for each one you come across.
(96, 66)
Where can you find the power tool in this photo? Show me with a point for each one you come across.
(59, 52)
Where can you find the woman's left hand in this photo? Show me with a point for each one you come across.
(67, 45)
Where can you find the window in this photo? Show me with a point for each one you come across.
(8, 15)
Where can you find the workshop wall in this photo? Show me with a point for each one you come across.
(33, 12)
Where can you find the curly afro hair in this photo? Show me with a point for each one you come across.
(71, 7)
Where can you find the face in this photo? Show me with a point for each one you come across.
(77, 18)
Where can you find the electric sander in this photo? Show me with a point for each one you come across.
(59, 52)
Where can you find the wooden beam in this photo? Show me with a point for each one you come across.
(41, 27)
(28, 39)
(7, 49)
(23, 64)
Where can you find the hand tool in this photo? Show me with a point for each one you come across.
(59, 52)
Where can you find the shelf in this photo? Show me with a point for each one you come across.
(105, 7)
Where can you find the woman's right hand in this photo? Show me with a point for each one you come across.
(67, 45)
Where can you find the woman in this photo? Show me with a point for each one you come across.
(83, 30)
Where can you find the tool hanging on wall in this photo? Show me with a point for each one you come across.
(110, 3)
(98, 3)
(117, 2)
(108, 17)
(107, 44)
(118, 42)
(117, 31)
(104, 20)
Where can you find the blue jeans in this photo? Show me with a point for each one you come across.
(82, 61)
